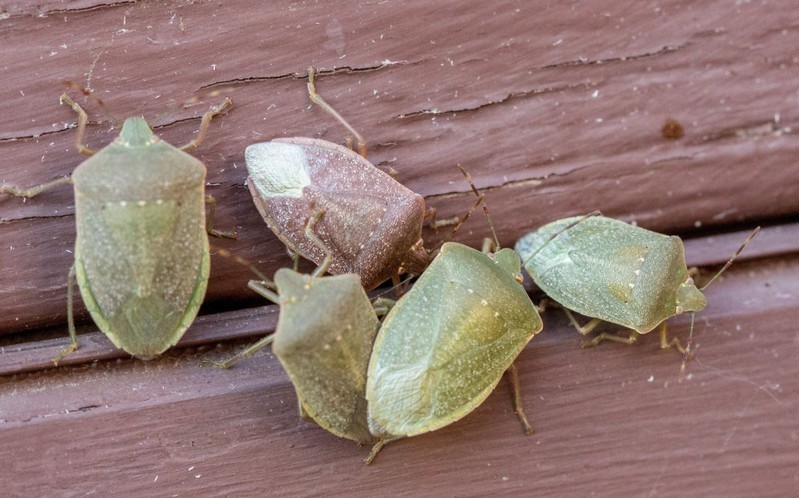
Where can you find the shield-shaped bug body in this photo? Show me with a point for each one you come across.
(323, 339)
(445, 345)
(614, 272)
(141, 251)
(372, 224)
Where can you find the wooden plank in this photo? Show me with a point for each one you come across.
(93, 345)
(554, 111)
(610, 420)
(259, 321)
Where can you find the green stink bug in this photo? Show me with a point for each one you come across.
(323, 339)
(141, 251)
(445, 344)
(614, 272)
(372, 224)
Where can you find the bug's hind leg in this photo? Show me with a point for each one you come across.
(513, 377)
(604, 336)
(73, 336)
(377, 447)
(209, 221)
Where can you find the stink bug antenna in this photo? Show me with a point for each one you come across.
(316, 99)
(687, 353)
(729, 262)
(556, 234)
(461, 221)
(480, 198)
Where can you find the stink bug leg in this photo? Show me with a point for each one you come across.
(263, 287)
(435, 224)
(605, 336)
(266, 288)
(209, 220)
(33, 191)
(209, 199)
(204, 123)
(318, 100)
(489, 247)
(73, 335)
(83, 118)
(513, 378)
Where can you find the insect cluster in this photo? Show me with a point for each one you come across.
(142, 264)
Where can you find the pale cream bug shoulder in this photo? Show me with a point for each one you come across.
(287, 175)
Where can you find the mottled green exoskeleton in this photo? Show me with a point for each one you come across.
(445, 345)
(141, 252)
(324, 338)
(614, 272)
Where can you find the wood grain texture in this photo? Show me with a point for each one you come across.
(555, 109)
(610, 420)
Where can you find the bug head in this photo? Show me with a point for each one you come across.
(416, 259)
(508, 260)
(135, 132)
(689, 298)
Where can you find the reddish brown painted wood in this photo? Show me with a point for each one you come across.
(554, 111)
(209, 329)
(256, 322)
(554, 108)
(610, 420)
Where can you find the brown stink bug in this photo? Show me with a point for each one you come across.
(372, 224)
